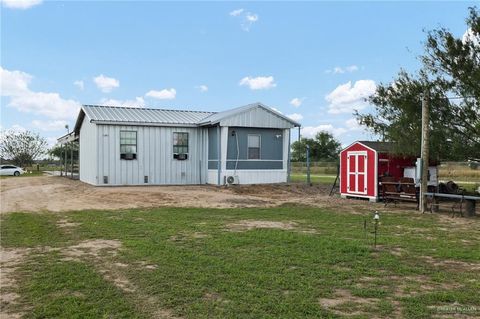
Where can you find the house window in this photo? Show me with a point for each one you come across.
(128, 145)
(253, 146)
(180, 145)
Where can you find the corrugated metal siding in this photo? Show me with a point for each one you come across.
(88, 152)
(256, 117)
(154, 156)
(143, 115)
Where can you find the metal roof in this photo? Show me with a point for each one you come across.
(143, 115)
(149, 116)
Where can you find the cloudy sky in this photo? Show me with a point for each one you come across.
(314, 62)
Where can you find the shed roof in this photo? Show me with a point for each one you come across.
(382, 147)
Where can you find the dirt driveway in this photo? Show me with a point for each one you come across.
(50, 193)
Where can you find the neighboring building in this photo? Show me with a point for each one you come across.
(362, 163)
(138, 146)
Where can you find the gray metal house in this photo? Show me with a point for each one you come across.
(139, 146)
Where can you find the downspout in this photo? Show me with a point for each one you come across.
(219, 168)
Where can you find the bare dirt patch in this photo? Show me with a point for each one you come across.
(92, 248)
(10, 260)
(343, 297)
(58, 194)
(243, 225)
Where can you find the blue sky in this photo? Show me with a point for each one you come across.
(314, 61)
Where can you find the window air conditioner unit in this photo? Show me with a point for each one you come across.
(233, 180)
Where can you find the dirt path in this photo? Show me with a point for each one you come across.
(50, 193)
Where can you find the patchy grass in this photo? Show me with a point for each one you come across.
(215, 263)
(315, 179)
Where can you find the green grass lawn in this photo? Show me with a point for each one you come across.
(189, 263)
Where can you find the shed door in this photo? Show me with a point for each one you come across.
(357, 172)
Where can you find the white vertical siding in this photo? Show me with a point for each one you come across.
(88, 152)
(256, 117)
(154, 156)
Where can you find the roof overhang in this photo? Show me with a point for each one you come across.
(67, 138)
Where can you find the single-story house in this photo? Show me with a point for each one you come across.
(139, 146)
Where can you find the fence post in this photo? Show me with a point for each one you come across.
(308, 165)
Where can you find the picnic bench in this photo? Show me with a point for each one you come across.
(461, 202)
(402, 190)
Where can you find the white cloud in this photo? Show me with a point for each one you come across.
(14, 84)
(346, 98)
(49, 104)
(236, 12)
(311, 131)
(470, 36)
(165, 94)
(137, 102)
(105, 83)
(352, 125)
(79, 84)
(202, 88)
(20, 4)
(295, 116)
(247, 18)
(296, 102)
(342, 70)
(258, 83)
(56, 125)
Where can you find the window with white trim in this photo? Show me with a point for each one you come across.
(180, 145)
(254, 146)
(128, 145)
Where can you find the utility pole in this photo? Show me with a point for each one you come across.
(425, 152)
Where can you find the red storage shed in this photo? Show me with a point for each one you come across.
(363, 162)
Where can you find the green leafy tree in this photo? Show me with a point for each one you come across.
(58, 151)
(22, 148)
(451, 68)
(323, 147)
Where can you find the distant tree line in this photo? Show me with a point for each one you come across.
(323, 147)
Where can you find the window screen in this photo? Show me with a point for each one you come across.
(180, 143)
(128, 145)
(253, 146)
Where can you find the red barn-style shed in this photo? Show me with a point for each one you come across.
(363, 162)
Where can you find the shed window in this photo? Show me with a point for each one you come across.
(180, 143)
(128, 145)
(253, 146)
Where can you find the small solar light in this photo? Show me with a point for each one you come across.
(376, 219)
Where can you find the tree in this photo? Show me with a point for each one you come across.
(323, 147)
(450, 74)
(58, 151)
(22, 148)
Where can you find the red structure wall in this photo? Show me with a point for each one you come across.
(378, 165)
(369, 173)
